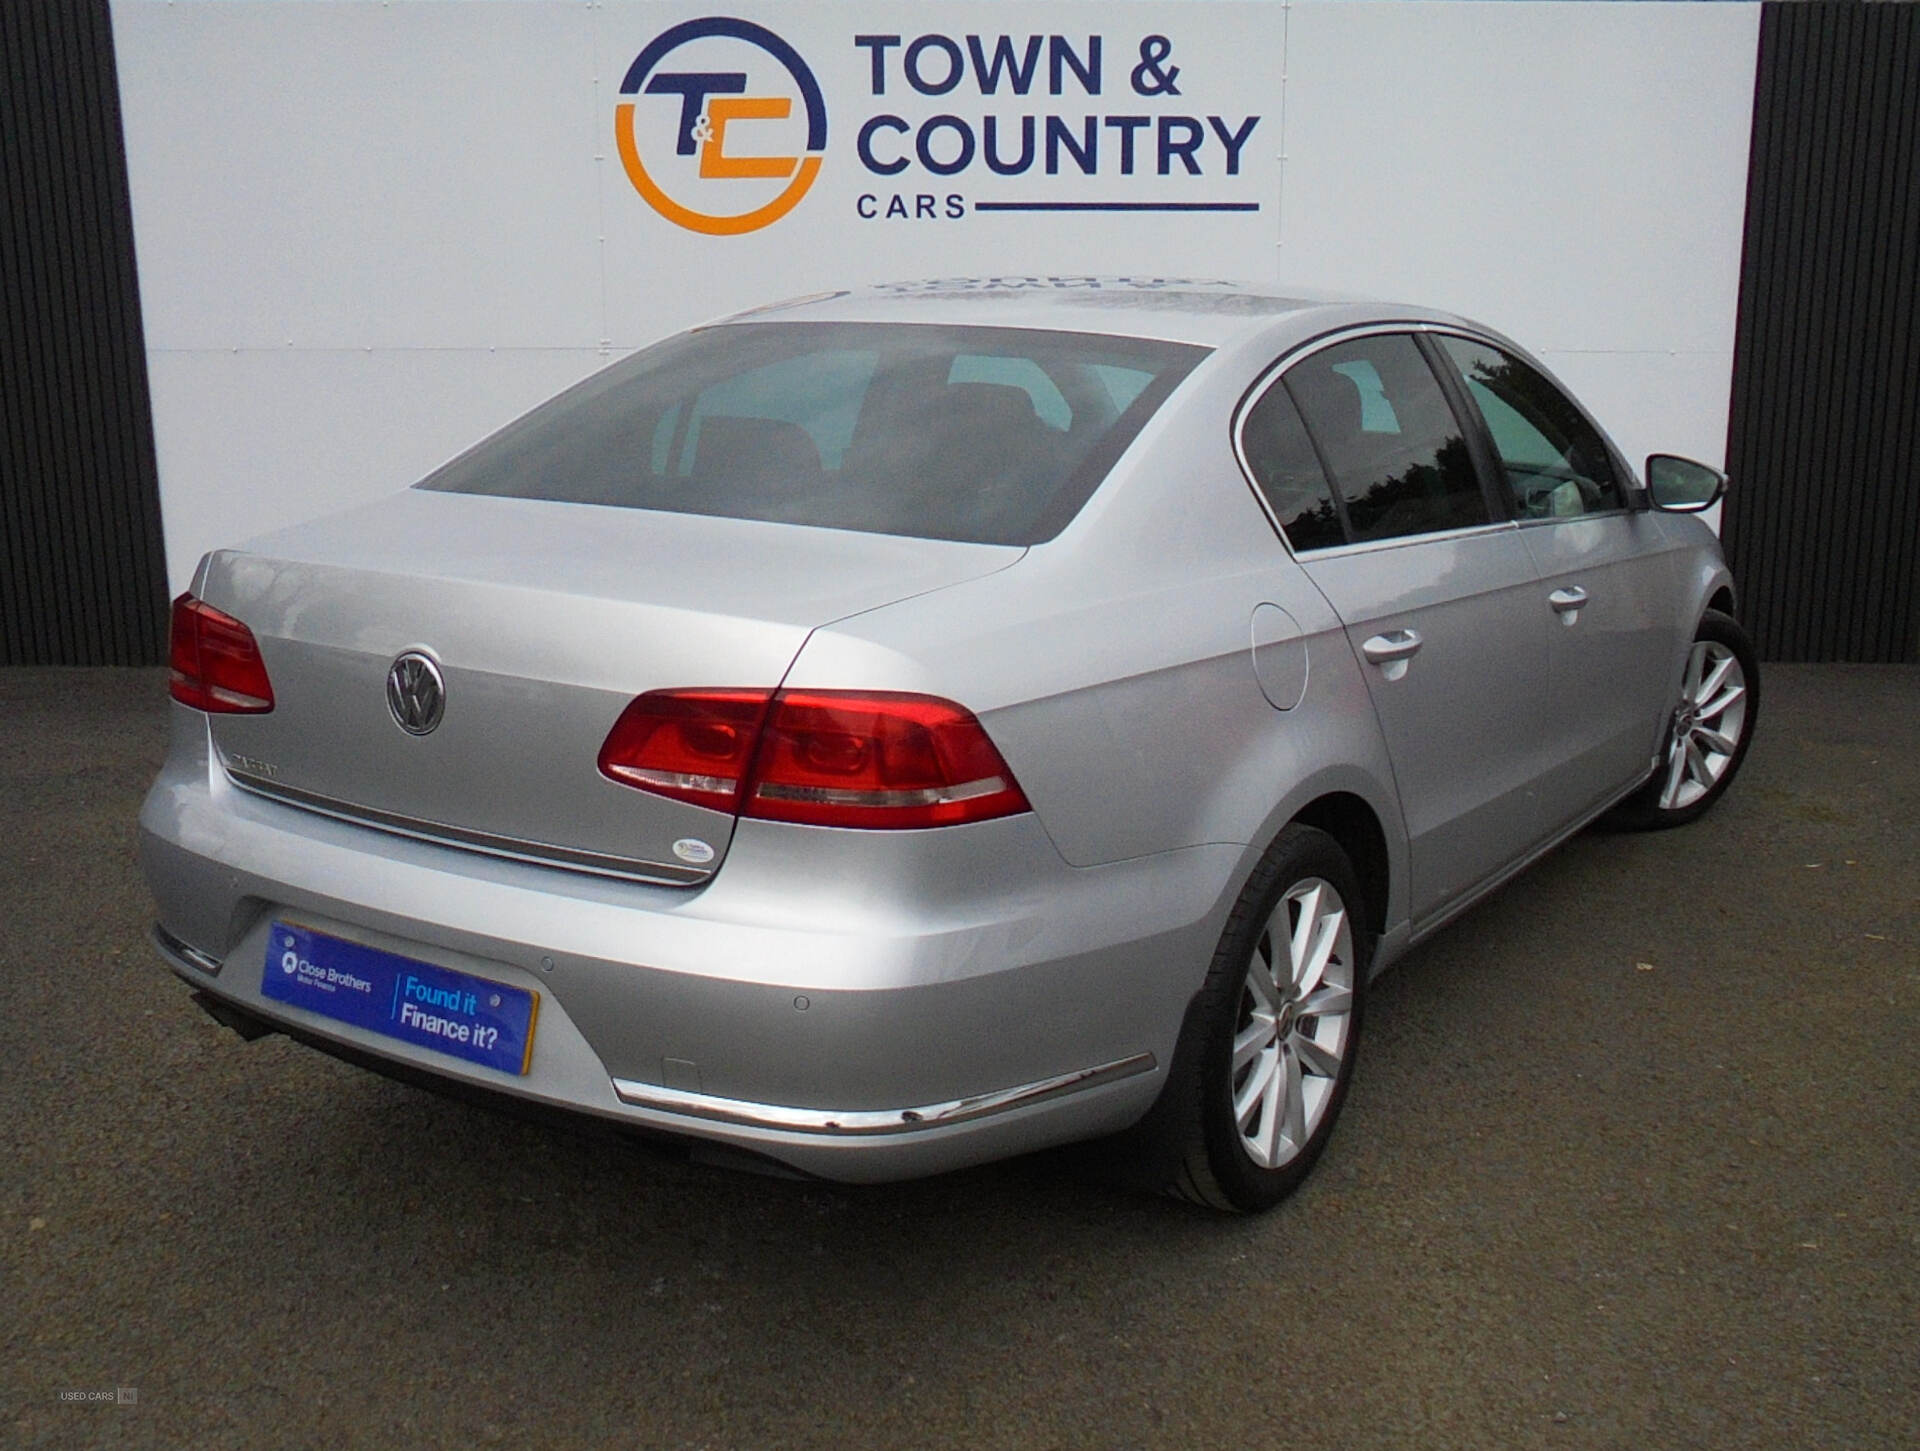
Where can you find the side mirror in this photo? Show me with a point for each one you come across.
(1681, 486)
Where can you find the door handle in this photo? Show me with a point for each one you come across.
(1392, 646)
(1391, 651)
(1567, 602)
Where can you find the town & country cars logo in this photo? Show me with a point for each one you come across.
(681, 96)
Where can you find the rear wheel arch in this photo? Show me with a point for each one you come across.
(1350, 821)
(1267, 1044)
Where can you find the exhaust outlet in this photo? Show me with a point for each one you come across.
(248, 1026)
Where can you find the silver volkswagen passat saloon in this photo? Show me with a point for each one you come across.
(907, 727)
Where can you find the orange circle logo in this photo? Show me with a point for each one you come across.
(721, 126)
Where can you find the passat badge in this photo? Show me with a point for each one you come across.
(416, 694)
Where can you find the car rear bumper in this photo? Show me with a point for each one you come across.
(856, 1005)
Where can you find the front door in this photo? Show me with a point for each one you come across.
(1605, 585)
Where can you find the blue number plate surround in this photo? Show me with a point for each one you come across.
(434, 1007)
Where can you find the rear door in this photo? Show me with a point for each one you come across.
(1436, 590)
(1606, 584)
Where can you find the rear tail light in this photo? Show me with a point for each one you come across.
(839, 758)
(692, 745)
(883, 759)
(216, 662)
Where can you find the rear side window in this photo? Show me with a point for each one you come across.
(1397, 454)
(989, 435)
(1281, 459)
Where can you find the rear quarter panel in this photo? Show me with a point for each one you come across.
(1113, 665)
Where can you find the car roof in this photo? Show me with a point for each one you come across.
(1210, 312)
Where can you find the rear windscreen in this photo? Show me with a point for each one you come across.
(989, 435)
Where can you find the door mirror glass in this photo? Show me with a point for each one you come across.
(1682, 486)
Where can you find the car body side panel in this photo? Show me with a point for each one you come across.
(1113, 667)
(1700, 574)
(1609, 692)
(1464, 718)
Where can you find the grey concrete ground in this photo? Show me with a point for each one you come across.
(1633, 1160)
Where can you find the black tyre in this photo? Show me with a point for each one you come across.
(1707, 739)
(1269, 1042)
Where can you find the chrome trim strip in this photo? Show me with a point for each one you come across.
(171, 946)
(1619, 513)
(439, 834)
(1403, 541)
(860, 1122)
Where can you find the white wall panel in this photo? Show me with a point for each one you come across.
(349, 175)
(369, 233)
(1229, 58)
(1573, 174)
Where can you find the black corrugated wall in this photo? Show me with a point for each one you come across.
(1823, 524)
(82, 573)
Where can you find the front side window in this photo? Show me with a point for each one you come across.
(989, 435)
(1554, 460)
(1397, 454)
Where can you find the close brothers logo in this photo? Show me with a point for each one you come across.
(722, 128)
(725, 71)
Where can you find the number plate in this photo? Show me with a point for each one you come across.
(449, 1012)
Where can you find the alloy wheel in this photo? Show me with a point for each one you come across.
(1707, 726)
(1294, 1027)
